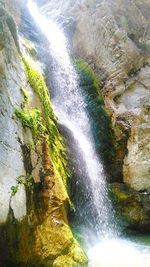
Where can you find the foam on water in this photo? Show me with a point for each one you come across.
(119, 253)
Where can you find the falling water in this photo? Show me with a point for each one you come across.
(71, 111)
(70, 107)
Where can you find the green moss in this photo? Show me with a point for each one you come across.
(33, 120)
(87, 76)
(37, 82)
(14, 190)
(27, 181)
(75, 257)
(64, 261)
(119, 195)
(99, 117)
(26, 97)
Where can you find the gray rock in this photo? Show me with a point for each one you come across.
(11, 162)
(115, 36)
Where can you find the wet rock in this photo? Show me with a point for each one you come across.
(33, 196)
(132, 207)
(114, 36)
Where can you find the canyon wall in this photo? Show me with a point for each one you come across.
(34, 200)
(114, 38)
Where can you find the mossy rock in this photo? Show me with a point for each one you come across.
(77, 254)
(132, 207)
(64, 261)
(99, 117)
(87, 76)
(45, 123)
(52, 241)
(75, 257)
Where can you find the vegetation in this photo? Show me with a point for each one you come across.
(89, 80)
(43, 123)
(88, 76)
(14, 190)
(32, 119)
(26, 97)
(27, 181)
(99, 117)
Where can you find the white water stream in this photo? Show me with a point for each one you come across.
(71, 111)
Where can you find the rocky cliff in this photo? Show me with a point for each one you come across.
(33, 163)
(114, 38)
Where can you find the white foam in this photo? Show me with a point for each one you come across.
(119, 253)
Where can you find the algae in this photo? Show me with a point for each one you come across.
(51, 241)
(100, 118)
(46, 123)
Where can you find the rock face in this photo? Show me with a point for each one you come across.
(114, 37)
(132, 207)
(12, 78)
(137, 161)
(33, 169)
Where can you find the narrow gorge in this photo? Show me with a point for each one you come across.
(75, 133)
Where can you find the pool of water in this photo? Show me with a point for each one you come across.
(130, 252)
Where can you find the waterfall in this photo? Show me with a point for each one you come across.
(96, 212)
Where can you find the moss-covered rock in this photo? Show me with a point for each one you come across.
(55, 141)
(64, 261)
(44, 236)
(132, 207)
(99, 117)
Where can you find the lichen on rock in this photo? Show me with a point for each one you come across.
(49, 199)
(132, 208)
(34, 197)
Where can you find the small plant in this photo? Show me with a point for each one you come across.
(14, 190)
(32, 119)
(27, 181)
(20, 179)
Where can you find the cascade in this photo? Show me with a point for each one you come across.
(70, 108)
(94, 209)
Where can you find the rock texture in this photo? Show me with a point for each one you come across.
(12, 77)
(114, 37)
(33, 169)
(132, 207)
